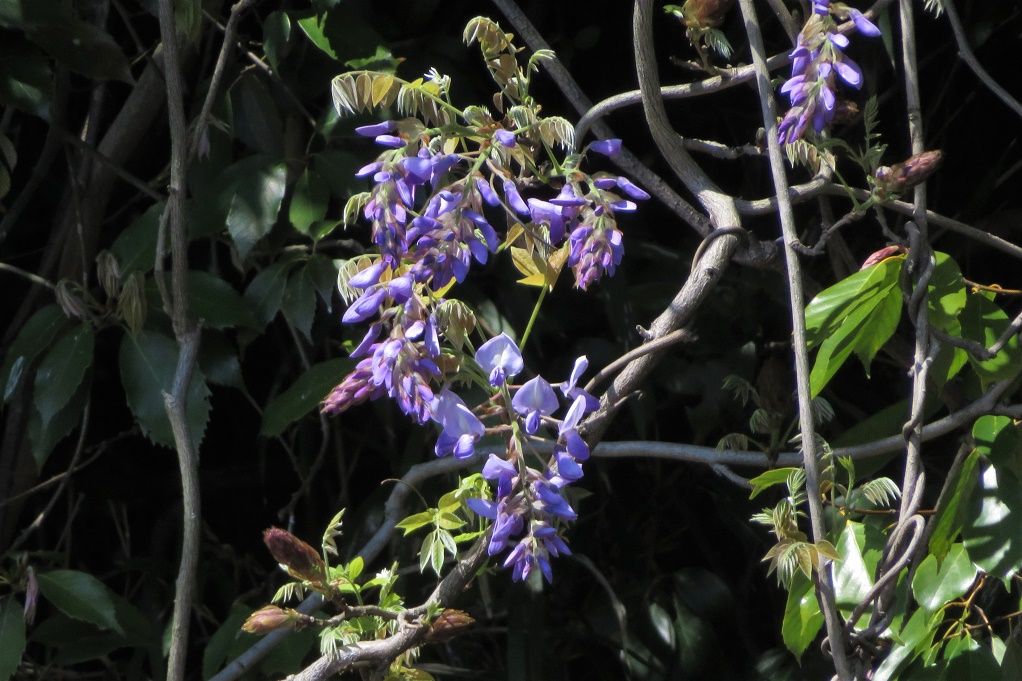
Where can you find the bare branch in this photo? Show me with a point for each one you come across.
(825, 585)
(967, 55)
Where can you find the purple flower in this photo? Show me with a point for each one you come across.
(862, 24)
(399, 290)
(595, 251)
(461, 428)
(404, 371)
(356, 388)
(514, 199)
(500, 471)
(376, 129)
(550, 214)
(608, 147)
(534, 400)
(505, 138)
(817, 62)
(500, 358)
(391, 141)
(570, 387)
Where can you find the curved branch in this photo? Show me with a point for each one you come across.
(967, 55)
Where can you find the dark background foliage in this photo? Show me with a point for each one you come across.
(666, 582)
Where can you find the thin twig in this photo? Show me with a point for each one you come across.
(621, 362)
(810, 445)
(79, 448)
(30, 276)
(967, 55)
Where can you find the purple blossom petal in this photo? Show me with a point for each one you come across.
(506, 138)
(390, 141)
(375, 129)
(608, 147)
(500, 358)
(862, 24)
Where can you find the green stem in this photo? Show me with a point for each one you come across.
(532, 319)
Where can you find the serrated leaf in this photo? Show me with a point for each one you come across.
(215, 302)
(12, 637)
(45, 438)
(254, 206)
(299, 303)
(148, 362)
(62, 370)
(33, 339)
(81, 596)
(265, 292)
(303, 395)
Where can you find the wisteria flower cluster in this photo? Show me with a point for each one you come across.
(529, 506)
(818, 62)
(439, 191)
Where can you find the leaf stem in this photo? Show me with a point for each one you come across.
(532, 319)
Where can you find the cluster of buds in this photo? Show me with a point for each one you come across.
(818, 62)
(891, 180)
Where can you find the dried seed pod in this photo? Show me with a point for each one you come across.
(449, 624)
(907, 174)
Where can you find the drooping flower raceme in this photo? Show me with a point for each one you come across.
(818, 62)
(530, 507)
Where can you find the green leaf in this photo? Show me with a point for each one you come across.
(216, 303)
(764, 481)
(26, 77)
(802, 616)
(148, 362)
(983, 322)
(82, 47)
(1011, 663)
(852, 580)
(33, 339)
(12, 637)
(993, 534)
(265, 292)
(257, 122)
(952, 515)
(62, 370)
(314, 29)
(863, 331)
(135, 246)
(309, 201)
(219, 646)
(827, 311)
(998, 439)
(299, 304)
(936, 583)
(254, 206)
(907, 645)
(74, 641)
(878, 328)
(45, 437)
(218, 359)
(414, 522)
(276, 33)
(304, 395)
(324, 275)
(80, 596)
(946, 290)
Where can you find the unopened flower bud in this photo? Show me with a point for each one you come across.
(907, 174)
(108, 271)
(270, 618)
(449, 624)
(131, 305)
(705, 13)
(69, 300)
(31, 595)
(845, 111)
(883, 254)
(300, 559)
